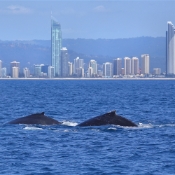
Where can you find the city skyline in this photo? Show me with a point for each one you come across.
(60, 65)
(127, 67)
(92, 15)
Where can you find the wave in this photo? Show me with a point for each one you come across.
(68, 123)
(32, 128)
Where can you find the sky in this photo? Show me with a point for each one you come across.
(112, 19)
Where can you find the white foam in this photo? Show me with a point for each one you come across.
(112, 128)
(172, 125)
(141, 125)
(68, 123)
(32, 128)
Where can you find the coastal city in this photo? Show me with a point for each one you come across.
(61, 67)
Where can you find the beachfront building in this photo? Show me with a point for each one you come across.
(56, 40)
(145, 64)
(170, 49)
(70, 69)
(134, 66)
(50, 72)
(117, 65)
(78, 67)
(0, 68)
(156, 71)
(127, 66)
(64, 62)
(16, 65)
(26, 72)
(107, 70)
(37, 70)
(92, 70)
(15, 72)
(4, 72)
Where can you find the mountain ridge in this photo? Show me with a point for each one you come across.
(102, 50)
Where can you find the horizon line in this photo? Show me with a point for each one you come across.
(84, 38)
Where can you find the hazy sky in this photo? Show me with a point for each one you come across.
(26, 20)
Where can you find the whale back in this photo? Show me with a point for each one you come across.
(38, 118)
(108, 119)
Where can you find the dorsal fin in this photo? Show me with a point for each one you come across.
(42, 113)
(112, 112)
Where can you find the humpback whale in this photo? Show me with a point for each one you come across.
(109, 118)
(38, 118)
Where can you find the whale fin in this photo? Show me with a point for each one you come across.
(112, 112)
(42, 113)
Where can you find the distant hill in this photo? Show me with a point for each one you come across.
(102, 50)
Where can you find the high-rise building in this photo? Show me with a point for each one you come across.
(26, 72)
(100, 73)
(156, 71)
(145, 64)
(89, 72)
(15, 72)
(44, 69)
(123, 71)
(4, 72)
(37, 70)
(134, 66)
(56, 39)
(117, 65)
(78, 63)
(64, 62)
(127, 65)
(50, 72)
(14, 64)
(70, 69)
(93, 71)
(80, 72)
(0, 68)
(107, 70)
(170, 49)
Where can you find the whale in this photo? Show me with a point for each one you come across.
(38, 118)
(110, 118)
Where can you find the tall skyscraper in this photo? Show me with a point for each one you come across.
(44, 69)
(26, 72)
(93, 71)
(117, 65)
(37, 70)
(127, 65)
(145, 64)
(170, 50)
(4, 72)
(70, 68)
(14, 64)
(64, 62)
(50, 72)
(0, 68)
(107, 70)
(15, 72)
(134, 66)
(78, 63)
(89, 72)
(56, 39)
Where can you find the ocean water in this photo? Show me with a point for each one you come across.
(71, 150)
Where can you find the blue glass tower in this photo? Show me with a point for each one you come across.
(56, 40)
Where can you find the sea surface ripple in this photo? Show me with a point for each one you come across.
(105, 150)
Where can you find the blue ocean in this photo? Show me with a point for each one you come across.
(148, 149)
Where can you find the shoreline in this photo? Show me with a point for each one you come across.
(114, 79)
